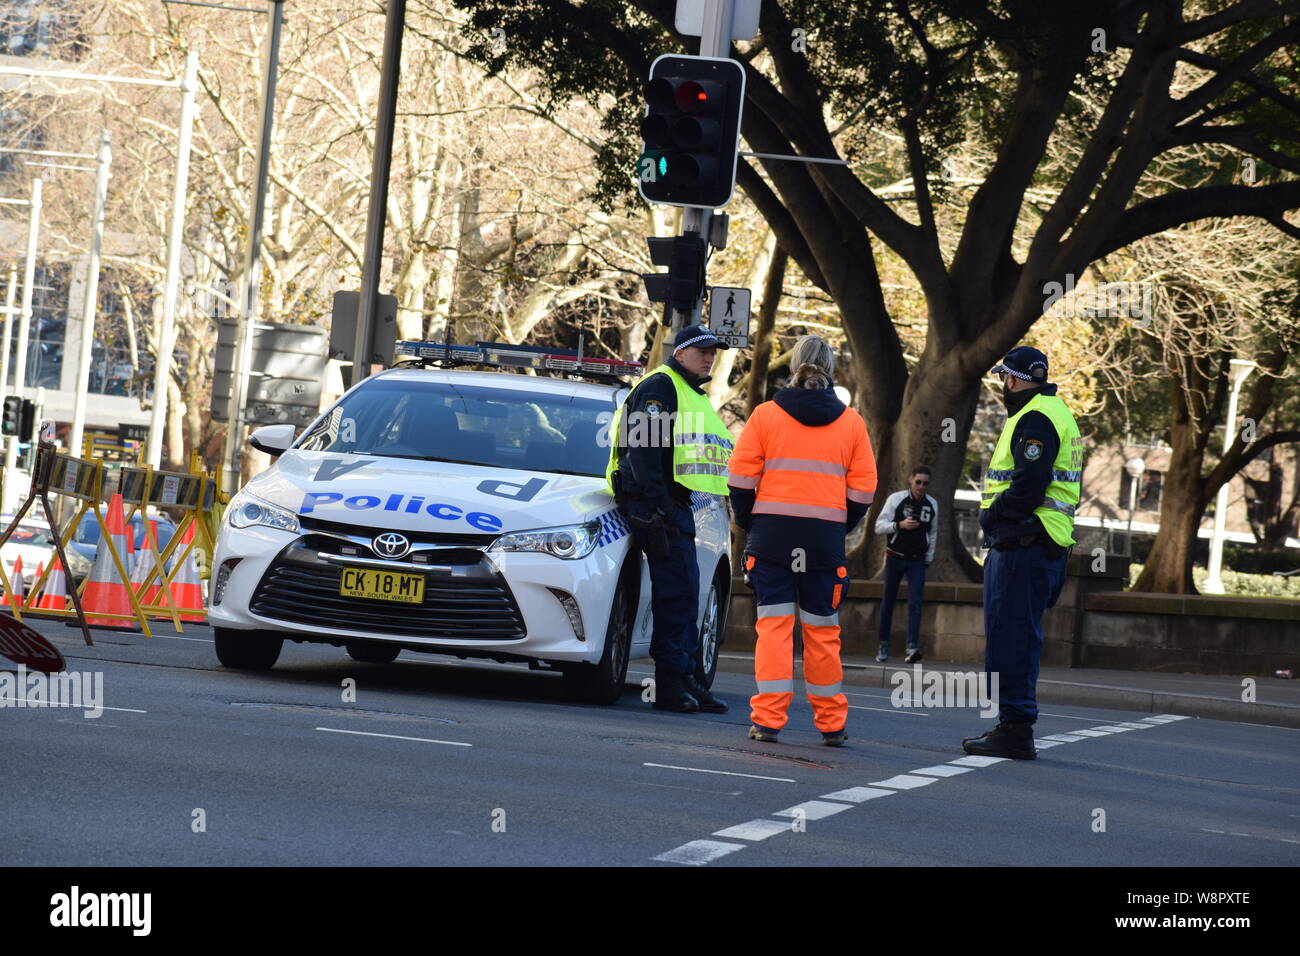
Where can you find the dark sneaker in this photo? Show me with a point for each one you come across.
(708, 703)
(1015, 741)
(913, 655)
(762, 733)
(883, 654)
(836, 739)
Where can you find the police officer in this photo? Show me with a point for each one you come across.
(667, 442)
(1027, 510)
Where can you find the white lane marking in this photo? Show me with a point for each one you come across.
(814, 809)
(888, 710)
(46, 703)
(849, 693)
(177, 637)
(1134, 726)
(1091, 733)
(367, 733)
(942, 770)
(699, 852)
(904, 782)
(1043, 713)
(753, 830)
(1176, 716)
(974, 760)
(859, 794)
(1063, 738)
(1048, 744)
(725, 773)
(1113, 728)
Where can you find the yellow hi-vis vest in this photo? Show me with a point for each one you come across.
(701, 443)
(1057, 510)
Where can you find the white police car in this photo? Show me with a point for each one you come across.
(456, 512)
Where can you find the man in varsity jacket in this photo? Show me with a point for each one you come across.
(911, 519)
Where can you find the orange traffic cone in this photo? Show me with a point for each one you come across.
(17, 584)
(186, 589)
(55, 595)
(106, 592)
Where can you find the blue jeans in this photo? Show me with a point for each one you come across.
(1019, 585)
(895, 570)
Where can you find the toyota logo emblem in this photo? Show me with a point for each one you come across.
(391, 545)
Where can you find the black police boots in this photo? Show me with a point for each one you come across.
(1005, 740)
(671, 694)
(708, 703)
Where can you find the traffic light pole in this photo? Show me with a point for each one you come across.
(24, 326)
(250, 286)
(715, 40)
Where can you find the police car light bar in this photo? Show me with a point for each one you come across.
(515, 356)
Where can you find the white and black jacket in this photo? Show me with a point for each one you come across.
(918, 541)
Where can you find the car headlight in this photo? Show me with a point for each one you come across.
(569, 542)
(246, 510)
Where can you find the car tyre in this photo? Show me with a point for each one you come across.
(246, 650)
(711, 625)
(602, 683)
(372, 652)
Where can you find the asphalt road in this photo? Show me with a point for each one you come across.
(445, 762)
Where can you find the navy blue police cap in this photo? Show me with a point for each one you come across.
(1026, 364)
(698, 336)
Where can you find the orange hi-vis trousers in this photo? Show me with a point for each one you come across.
(777, 588)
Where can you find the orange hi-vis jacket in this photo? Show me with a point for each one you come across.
(804, 471)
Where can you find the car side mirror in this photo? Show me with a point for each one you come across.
(273, 439)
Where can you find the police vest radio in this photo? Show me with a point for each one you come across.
(506, 355)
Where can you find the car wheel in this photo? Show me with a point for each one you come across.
(602, 683)
(371, 652)
(246, 650)
(706, 662)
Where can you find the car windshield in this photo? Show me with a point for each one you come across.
(474, 425)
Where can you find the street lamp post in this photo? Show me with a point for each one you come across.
(1239, 369)
(1135, 468)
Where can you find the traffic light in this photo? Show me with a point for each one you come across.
(11, 423)
(683, 284)
(26, 421)
(691, 130)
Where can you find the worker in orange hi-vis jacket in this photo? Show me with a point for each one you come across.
(801, 477)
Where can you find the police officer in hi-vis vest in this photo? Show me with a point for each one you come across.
(1027, 510)
(666, 441)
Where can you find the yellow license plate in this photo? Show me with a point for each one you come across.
(382, 585)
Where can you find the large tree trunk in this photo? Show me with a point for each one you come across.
(1168, 567)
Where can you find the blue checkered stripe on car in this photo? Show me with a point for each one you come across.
(612, 527)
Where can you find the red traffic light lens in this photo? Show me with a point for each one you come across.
(691, 97)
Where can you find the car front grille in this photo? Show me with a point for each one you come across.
(463, 602)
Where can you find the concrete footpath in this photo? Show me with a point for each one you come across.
(1275, 702)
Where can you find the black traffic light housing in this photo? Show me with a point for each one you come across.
(12, 421)
(683, 285)
(691, 130)
(27, 421)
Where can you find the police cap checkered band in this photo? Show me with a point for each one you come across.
(1024, 363)
(698, 336)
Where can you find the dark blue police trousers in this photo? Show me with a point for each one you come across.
(1019, 585)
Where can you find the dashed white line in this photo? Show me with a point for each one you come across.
(753, 830)
(725, 773)
(367, 733)
(904, 781)
(46, 703)
(813, 809)
(888, 710)
(699, 852)
(859, 794)
(177, 637)
(943, 770)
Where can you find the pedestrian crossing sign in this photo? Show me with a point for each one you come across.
(729, 315)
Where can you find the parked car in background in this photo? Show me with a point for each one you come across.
(32, 539)
(81, 549)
